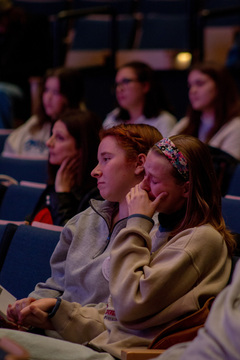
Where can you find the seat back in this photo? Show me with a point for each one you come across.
(19, 201)
(3, 135)
(6, 233)
(231, 214)
(234, 184)
(24, 169)
(27, 259)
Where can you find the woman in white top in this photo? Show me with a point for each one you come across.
(62, 89)
(139, 100)
(214, 110)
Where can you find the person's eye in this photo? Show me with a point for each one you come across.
(200, 83)
(126, 81)
(59, 137)
(106, 158)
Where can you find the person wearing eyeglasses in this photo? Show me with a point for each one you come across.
(140, 99)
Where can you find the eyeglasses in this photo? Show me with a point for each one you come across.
(124, 82)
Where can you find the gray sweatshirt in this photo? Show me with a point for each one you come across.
(77, 261)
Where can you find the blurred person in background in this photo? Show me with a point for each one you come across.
(62, 89)
(72, 155)
(140, 100)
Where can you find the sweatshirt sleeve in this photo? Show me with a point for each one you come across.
(77, 323)
(139, 277)
(219, 339)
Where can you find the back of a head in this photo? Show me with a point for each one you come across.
(133, 138)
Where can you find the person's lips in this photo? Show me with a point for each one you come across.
(100, 183)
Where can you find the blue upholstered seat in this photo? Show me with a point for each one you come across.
(24, 169)
(231, 214)
(234, 185)
(18, 202)
(27, 259)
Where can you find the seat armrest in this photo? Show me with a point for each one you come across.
(140, 354)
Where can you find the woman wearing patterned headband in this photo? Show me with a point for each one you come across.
(154, 280)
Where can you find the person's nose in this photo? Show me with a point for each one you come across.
(96, 172)
(192, 89)
(50, 142)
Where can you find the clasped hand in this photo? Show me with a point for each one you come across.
(31, 312)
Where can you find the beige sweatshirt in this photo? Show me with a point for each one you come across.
(149, 290)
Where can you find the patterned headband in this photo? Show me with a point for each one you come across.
(176, 158)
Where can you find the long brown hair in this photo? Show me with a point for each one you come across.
(203, 204)
(226, 104)
(71, 86)
(84, 126)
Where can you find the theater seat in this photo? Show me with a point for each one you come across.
(24, 169)
(19, 201)
(27, 259)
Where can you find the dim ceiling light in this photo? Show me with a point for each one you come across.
(183, 60)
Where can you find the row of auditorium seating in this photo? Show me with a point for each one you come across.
(138, 24)
(141, 25)
(20, 200)
(36, 170)
(28, 178)
(18, 168)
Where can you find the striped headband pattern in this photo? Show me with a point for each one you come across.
(176, 158)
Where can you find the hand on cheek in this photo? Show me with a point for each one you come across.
(139, 203)
(160, 198)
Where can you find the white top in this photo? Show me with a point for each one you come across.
(227, 138)
(22, 142)
(164, 122)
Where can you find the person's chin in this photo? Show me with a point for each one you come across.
(53, 161)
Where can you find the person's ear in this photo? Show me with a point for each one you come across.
(186, 189)
(141, 159)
